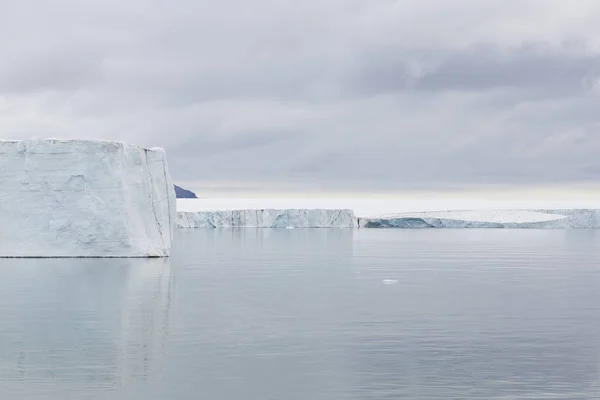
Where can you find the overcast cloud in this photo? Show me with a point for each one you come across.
(345, 94)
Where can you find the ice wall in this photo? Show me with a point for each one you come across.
(532, 219)
(84, 198)
(267, 218)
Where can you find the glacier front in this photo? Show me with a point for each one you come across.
(532, 219)
(267, 218)
(84, 198)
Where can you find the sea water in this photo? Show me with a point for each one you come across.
(311, 314)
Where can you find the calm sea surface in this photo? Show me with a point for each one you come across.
(303, 314)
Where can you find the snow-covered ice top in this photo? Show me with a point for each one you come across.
(84, 198)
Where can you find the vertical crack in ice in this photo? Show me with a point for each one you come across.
(151, 180)
(169, 187)
(336, 219)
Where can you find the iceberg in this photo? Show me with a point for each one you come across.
(268, 218)
(84, 198)
(532, 219)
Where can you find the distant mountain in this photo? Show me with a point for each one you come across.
(182, 193)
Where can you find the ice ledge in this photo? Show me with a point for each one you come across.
(515, 219)
(268, 218)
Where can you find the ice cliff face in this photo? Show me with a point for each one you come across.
(532, 219)
(269, 218)
(84, 198)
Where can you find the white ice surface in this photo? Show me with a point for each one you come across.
(84, 198)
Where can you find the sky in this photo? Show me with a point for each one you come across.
(320, 96)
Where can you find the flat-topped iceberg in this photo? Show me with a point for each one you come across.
(267, 218)
(540, 219)
(84, 198)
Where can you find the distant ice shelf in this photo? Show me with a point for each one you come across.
(377, 213)
(532, 219)
(268, 218)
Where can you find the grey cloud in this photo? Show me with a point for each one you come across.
(203, 146)
(553, 72)
(56, 70)
(591, 172)
(330, 163)
(329, 93)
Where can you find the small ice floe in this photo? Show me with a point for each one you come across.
(389, 281)
(289, 227)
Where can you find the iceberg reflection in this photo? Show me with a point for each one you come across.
(82, 322)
